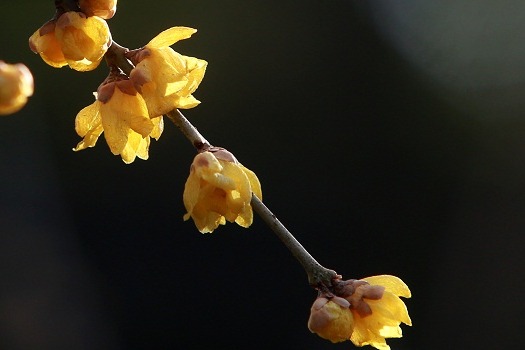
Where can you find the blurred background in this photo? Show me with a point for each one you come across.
(389, 137)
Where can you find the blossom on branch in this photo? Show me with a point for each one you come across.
(16, 85)
(121, 113)
(73, 39)
(219, 189)
(373, 313)
(164, 77)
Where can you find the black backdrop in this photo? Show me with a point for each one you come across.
(388, 137)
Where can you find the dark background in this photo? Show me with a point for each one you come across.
(389, 136)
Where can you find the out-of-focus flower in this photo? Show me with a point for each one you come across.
(219, 189)
(101, 8)
(164, 77)
(374, 306)
(331, 319)
(120, 112)
(16, 85)
(72, 39)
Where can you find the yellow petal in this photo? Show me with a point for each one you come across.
(254, 182)
(195, 68)
(87, 118)
(47, 46)
(90, 139)
(171, 36)
(115, 131)
(174, 87)
(392, 306)
(133, 147)
(122, 113)
(190, 195)
(187, 102)
(392, 284)
(158, 127)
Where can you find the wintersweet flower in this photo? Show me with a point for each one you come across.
(377, 309)
(121, 113)
(219, 189)
(101, 8)
(16, 85)
(164, 77)
(72, 39)
(365, 311)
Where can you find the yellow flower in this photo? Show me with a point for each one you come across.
(72, 39)
(120, 112)
(219, 189)
(164, 77)
(331, 319)
(16, 85)
(364, 311)
(101, 8)
(378, 310)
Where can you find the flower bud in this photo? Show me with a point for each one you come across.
(331, 320)
(16, 85)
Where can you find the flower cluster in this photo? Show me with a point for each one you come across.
(129, 109)
(219, 189)
(75, 38)
(16, 85)
(363, 311)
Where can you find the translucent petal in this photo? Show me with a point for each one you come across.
(88, 124)
(116, 129)
(174, 87)
(392, 284)
(48, 48)
(394, 307)
(129, 152)
(254, 182)
(190, 195)
(90, 139)
(171, 36)
(158, 127)
(87, 119)
(195, 68)
(391, 332)
(186, 102)
(245, 218)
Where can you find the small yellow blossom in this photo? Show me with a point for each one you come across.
(331, 319)
(120, 112)
(16, 85)
(164, 77)
(72, 39)
(101, 8)
(365, 311)
(383, 314)
(219, 189)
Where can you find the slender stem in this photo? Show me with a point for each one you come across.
(191, 133)
(317, 274)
